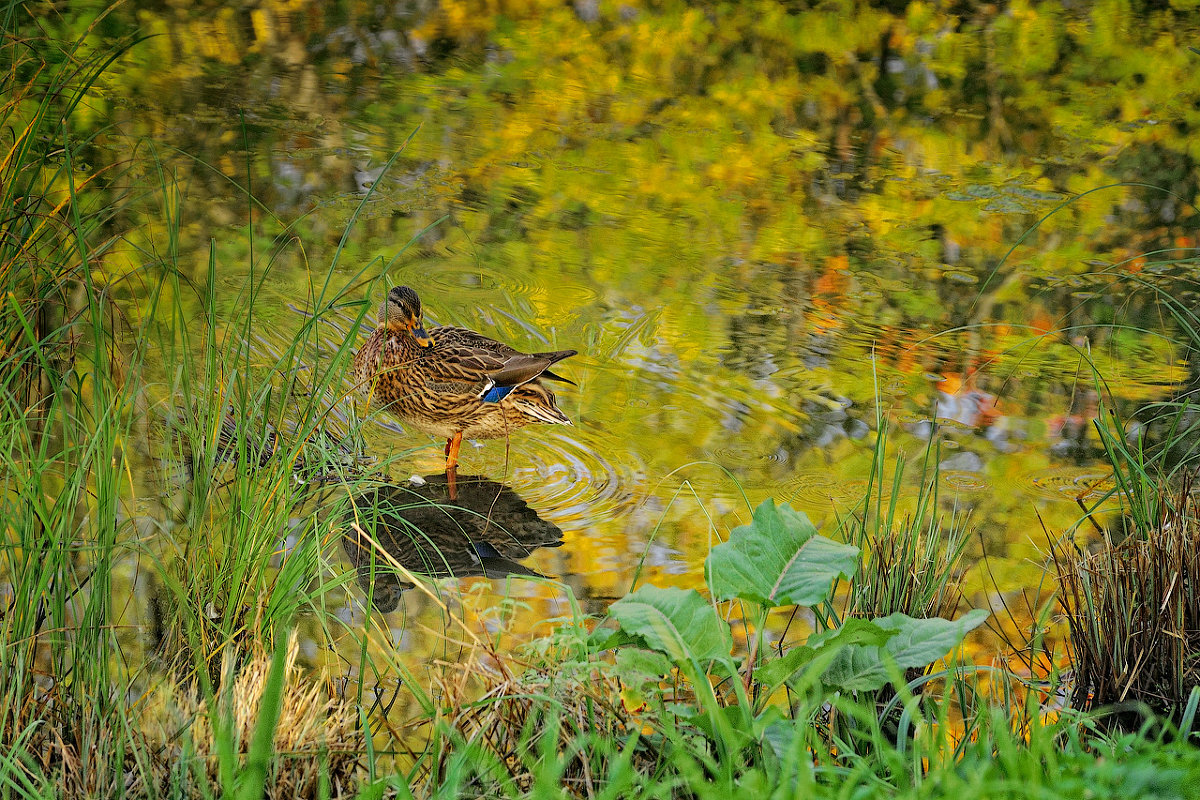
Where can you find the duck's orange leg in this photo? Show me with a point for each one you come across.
(452, 446)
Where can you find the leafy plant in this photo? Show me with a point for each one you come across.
(778, 559)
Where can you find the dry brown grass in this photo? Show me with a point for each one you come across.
(1133, 610)
(317, 738)
(166, 746)
(507, 707)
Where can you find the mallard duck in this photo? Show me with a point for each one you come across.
(453, 382)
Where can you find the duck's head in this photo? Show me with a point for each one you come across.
(401, 311)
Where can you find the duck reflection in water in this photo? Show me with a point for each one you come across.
(485, 530)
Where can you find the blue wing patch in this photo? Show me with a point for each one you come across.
(496, 394)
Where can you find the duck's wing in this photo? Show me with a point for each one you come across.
(466, 362)
(465, 337)
(450, 369)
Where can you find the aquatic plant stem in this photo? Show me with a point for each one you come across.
(760, 624)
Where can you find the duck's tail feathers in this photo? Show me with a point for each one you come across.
(520, 368)
(544, 413)
(552, 376)
(554, 357)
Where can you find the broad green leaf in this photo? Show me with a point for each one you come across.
(916, 643)
(608, 638)
(635, 665)
(778, 738)
(779, 559)
(852, 631)
(818, 651)
(858, 669)
(676, 622)
(922, 641)
(778, 670)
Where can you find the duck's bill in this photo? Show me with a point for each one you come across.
(423, 338)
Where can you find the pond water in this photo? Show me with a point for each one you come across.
(765, 228)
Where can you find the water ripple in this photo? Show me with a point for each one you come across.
(451, 280)
(1070, 483)
(963, 481)
(573, 484)
(820, 490)
(744, 457)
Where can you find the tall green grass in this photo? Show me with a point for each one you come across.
(914, 552)
(79, 404)
(64, 422)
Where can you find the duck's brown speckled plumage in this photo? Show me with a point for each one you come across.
(440, 387)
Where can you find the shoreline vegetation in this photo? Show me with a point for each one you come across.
(813, 664)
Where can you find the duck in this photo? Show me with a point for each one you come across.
(453, 382)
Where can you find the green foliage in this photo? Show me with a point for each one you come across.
(85, 390)
(912, 558)
(66, 414)
(708, 714)
(912, 643)
(262, 749)
(778, 560)
(777, 557)
(677, 623)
